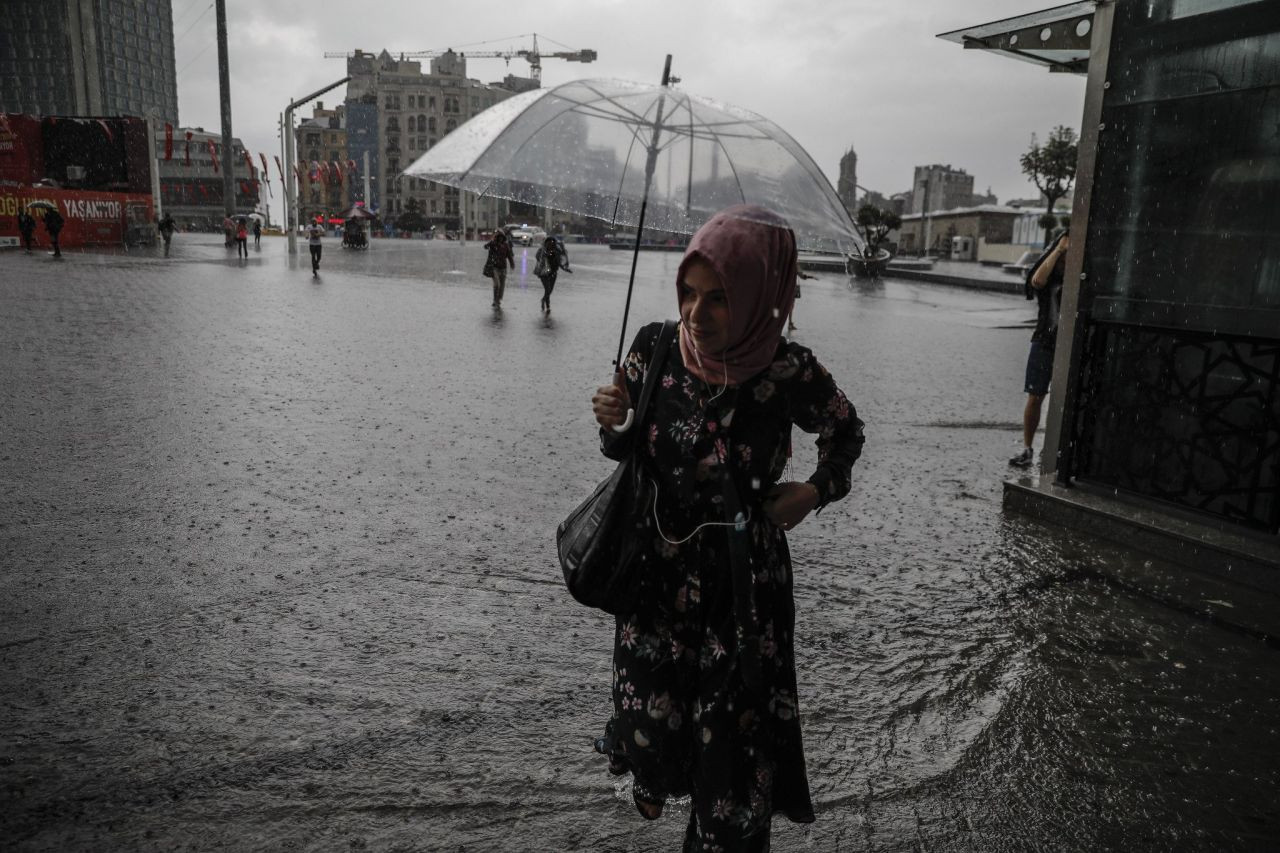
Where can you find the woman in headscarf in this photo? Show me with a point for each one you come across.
(704, 681)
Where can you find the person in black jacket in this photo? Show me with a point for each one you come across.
(500, 256)
(27, 228)
(1043, 284)
(166, 226)
(552, 258)
(53, 223)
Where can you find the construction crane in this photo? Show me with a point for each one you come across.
(532, 55)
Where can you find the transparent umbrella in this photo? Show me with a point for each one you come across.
(640, 156)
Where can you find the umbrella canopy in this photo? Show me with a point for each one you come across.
(41, 204)
(357, 212)
(584, 146)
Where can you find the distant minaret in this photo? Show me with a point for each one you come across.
(847, 187)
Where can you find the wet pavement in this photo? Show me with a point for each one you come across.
(279, 574)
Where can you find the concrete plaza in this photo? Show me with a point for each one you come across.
(279, 574)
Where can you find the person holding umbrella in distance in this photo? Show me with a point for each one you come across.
(53, 223)
(704, 690)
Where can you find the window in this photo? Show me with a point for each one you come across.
(431, 124)
(431, 102)
(475, 103)
(413, 124)
(422, 122)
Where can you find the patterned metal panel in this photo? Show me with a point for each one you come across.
(1184, 417)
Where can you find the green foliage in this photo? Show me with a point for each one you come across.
(1047, 221)
(1064, 221)
(1052, 167)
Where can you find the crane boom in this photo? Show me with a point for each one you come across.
(531, 55)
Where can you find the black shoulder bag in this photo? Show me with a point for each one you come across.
(599, 553)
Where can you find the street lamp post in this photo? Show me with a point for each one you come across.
(291, 188)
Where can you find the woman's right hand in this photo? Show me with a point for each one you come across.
(610, 403)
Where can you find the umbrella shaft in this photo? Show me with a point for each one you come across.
(631, 283)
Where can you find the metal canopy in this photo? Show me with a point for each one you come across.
(1056, 38)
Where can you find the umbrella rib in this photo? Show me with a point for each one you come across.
(742, 194)
(622, 178)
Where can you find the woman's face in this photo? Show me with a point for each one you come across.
(704, 308)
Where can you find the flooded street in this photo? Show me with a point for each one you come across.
(279, 574)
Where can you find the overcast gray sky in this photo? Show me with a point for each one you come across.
(833, 73)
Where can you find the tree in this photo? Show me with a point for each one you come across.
(412, 219)
(876, 224)
(1052, 167)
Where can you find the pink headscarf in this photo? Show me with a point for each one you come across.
(753, 252)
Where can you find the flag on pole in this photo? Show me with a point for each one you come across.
(248, 159)
(337, 172)
(279, 168)
(213, 155)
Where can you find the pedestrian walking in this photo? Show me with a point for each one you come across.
(257, 235)
(314, 233)
(166, 226)
(27, 228)
(242, 239)
(552, 258)
(1043, 284)
(53, 223)
(495, 267)
(704, 686)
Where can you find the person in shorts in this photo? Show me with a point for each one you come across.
(314, 233)
(1044, 284)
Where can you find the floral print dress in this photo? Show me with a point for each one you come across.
(689, 717)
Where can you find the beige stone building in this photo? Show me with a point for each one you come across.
(396, 113)
(322, 139)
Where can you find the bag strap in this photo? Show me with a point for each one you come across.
(656, 363)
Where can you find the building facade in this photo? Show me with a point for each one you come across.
(940, 188)
(191, 185)
(88, 58)
(996, 233)
(329, 179)
(396, 112)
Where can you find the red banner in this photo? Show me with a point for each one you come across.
(90, 218)
(168, 141)
(279, 168)
(248, 159)
(213, 155)
(337, 172)
(351, 168)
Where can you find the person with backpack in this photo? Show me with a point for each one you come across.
(495, 265)
(314, 233)
(552, 258)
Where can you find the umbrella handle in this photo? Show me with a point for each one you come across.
(626, 425)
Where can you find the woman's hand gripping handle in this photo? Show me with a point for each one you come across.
(611, 405)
